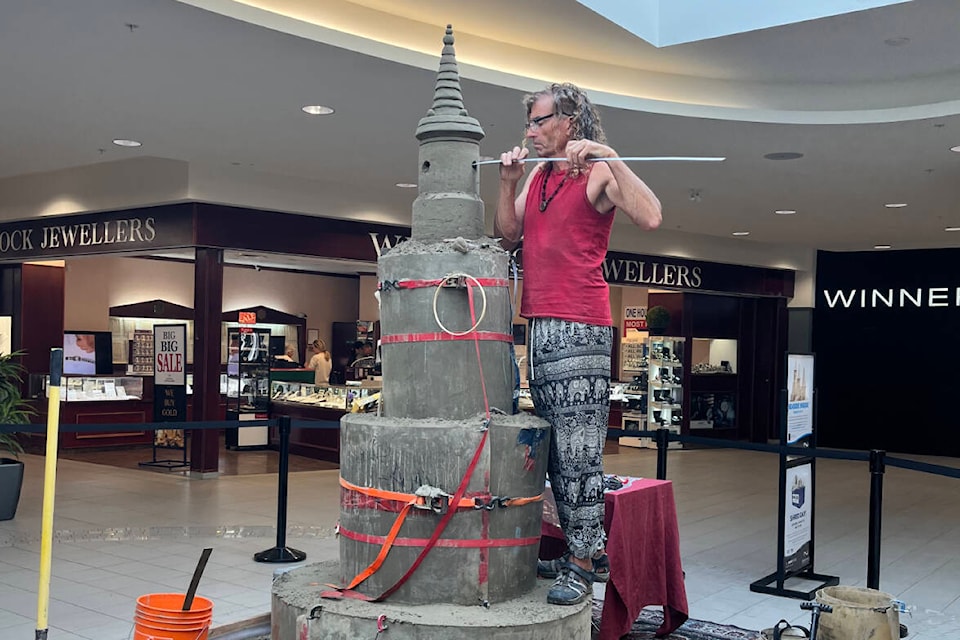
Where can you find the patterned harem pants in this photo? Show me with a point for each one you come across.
(569, 376)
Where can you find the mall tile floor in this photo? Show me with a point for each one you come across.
(125, 532)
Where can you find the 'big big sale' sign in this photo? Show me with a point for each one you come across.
(169, 346)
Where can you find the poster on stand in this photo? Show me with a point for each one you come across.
(169, 382)
(799, 397)
(797, 530)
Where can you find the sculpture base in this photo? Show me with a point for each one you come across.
(528, 617)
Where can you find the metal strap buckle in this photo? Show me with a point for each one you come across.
(492, 503)
(432, 499)
(455, 282)
(437, 504)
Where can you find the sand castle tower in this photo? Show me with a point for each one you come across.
(440, 512)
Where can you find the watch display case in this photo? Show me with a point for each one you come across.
(713, 384)
(91, 388)
(713, 356)
(665, 383)
(248, 385)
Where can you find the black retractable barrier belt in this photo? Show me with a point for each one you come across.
(136, 426)
(913, 465)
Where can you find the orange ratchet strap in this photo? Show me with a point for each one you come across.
(438, 504)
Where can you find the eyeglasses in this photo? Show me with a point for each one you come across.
(536, 123)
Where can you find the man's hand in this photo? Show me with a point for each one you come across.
(580, 151)
(510, 170)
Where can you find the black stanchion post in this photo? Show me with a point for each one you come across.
(663, 441)
(282, 553)
(877, 467)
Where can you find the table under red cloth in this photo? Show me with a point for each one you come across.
(643, 543)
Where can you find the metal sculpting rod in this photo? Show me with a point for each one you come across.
(627, 159)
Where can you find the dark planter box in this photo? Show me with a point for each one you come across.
(11, 479)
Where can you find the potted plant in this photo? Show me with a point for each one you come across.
(658, 320)
(13, 410)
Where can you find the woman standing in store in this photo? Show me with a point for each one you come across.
(320, 362)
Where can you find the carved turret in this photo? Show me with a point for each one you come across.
(448, 204)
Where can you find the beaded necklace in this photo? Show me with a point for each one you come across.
(544, 200)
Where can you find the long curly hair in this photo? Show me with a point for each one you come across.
(572, 101)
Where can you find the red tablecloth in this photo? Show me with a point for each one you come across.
(643, 543)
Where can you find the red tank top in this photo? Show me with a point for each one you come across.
(563, 251)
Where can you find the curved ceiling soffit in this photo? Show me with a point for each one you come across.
(507, 65)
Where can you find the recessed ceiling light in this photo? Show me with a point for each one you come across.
(121, 142)
(895, 205)
(741, 233)
(783, 155)
(785, 212)
(882, 246)
(407, 185)
(955, 149)
(952, 229)
(317, 110)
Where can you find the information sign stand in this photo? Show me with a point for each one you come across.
(797, 490)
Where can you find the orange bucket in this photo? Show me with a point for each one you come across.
(160, 634)
(171, 604)
(159, 616)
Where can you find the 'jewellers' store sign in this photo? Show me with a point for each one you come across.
(56, 237)
(696, 275)
(636, 269)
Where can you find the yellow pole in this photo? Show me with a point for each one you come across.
(49, 491)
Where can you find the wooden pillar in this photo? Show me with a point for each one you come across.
(208, 308)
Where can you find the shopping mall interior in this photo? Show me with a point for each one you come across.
(234, 169)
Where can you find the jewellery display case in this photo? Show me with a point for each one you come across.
(107, 400)
(92, 388)
(665, 383)
(713, 384)
(248, 385)
(337, 397)
(131, 329)
(634, 417)
(325, 403)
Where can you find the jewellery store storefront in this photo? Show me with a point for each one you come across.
(698, 347)
(97, 284)
(100, 282)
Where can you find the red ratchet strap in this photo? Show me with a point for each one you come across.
(455, 281)
(476, 342)
(439, 335)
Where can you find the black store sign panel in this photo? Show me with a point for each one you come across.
(885, 334)
(96, 233)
